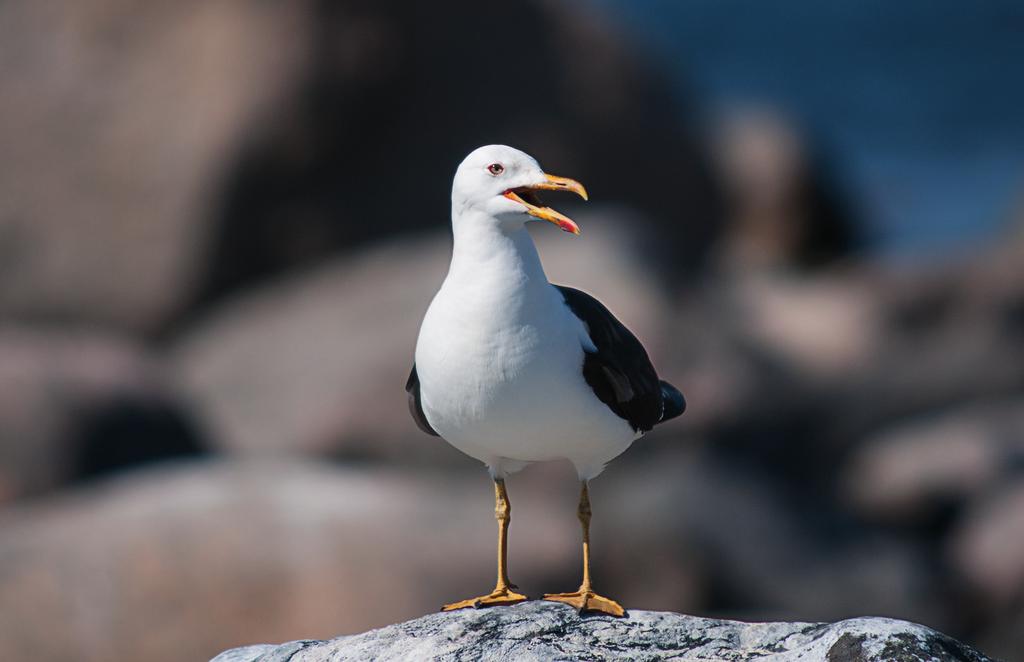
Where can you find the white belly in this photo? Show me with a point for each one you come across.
(502, 380)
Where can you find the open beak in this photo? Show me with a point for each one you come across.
(525, 196)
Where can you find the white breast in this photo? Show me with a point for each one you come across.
(500, 360)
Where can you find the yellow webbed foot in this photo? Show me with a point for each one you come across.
(496, 598)
(588, 601)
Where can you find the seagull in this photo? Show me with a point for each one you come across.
(512, 370)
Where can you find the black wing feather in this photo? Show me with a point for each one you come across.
(619, 371)
(412, 387)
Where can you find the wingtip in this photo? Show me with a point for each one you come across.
(673, 401)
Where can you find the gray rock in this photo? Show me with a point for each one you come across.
(912, 470)
(784, 211)
(541, 631)
(984, 546)
(53, 384)
(824, 328)
(117, 122)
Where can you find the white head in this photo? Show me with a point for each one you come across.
(499, 184)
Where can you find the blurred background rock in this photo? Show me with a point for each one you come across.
(221, 222)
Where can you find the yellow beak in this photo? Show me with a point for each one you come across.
(533, 207)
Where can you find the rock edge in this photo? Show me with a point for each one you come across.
(542, 631)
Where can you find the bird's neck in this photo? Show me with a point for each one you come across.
(495, 255)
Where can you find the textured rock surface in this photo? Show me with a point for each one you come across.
(539, 631)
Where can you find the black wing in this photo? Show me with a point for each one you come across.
(412, 387)
(619, 371)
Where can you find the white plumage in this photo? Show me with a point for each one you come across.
(500, 355)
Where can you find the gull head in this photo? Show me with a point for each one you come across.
(500, 184)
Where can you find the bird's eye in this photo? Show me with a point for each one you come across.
(495, 169)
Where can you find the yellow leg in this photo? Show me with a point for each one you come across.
(502, 593)
(585, 599)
